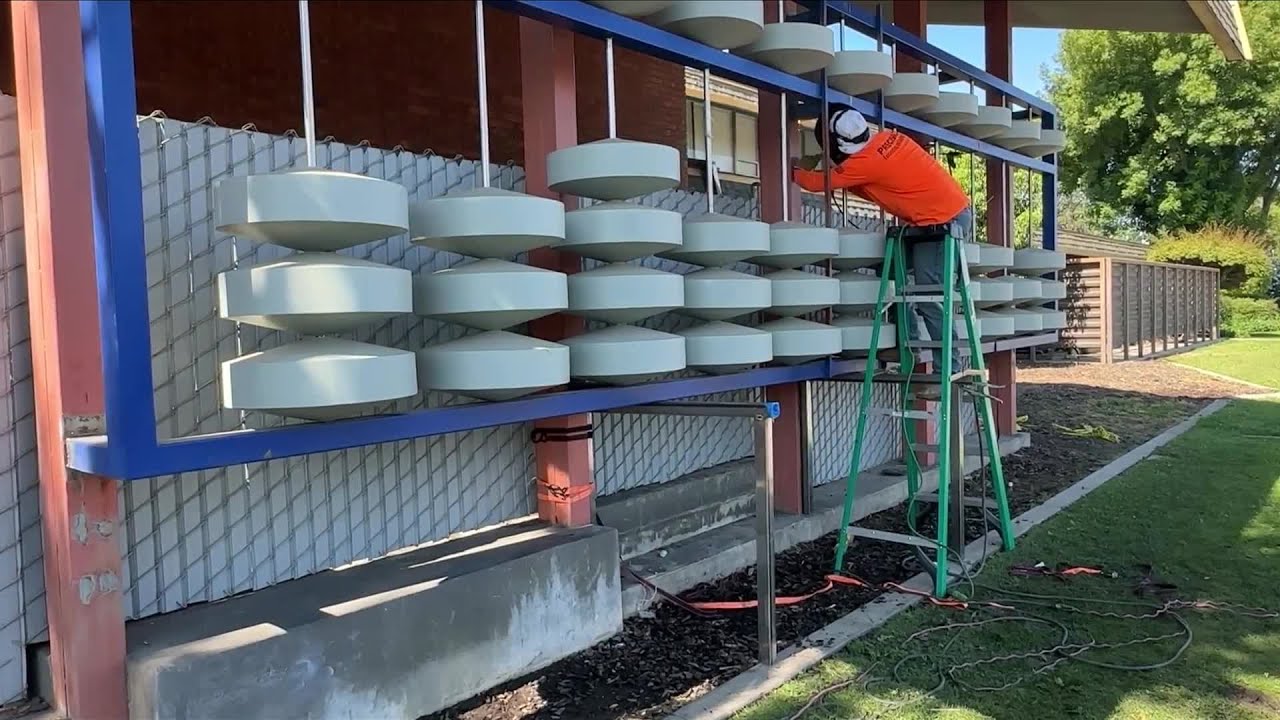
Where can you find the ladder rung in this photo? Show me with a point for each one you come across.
(922, 289)
(963, 349)
(918, 298)
(893, 537)
(926, 448)
(905, 414)
(925, 378)
(969, 500)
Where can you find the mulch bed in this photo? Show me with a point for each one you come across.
(663, 661)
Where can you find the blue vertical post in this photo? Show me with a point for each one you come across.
(1049, 191)
(119, 246)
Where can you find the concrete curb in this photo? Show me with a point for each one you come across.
(752, 685)
(1225, 378)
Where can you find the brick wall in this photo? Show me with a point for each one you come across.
(390, 72)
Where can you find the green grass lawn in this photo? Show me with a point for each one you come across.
(1204, 510)
(1253, 360)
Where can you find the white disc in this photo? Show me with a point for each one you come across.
(991, 258)
(633, 8)
(909, 92)
(1034, 262)
(722, 24)
(859, 72)
(855, 335)
(624, 354)
(990, 292)
(990, 121)
(493, 366)
(623, 293)
(1026, 291)
(1052, 290)
(994, 324)
(618, 231)
(859, 292)
(951, 108)
(718, 294)
(793, 47)
(319, 379)
(613, 169)
(792, 245)
(796, 292)
(310, 209)
(490, 294)
(1053, 319)
(1025, 321)
(314, 293)
(798, 341)
(859, 249)
(1020, 134)
(714, 240)
(1051, 141)
(487, 222)
(721, 347)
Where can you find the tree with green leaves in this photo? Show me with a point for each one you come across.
(1164, 133)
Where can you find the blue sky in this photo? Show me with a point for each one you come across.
(1032, 48)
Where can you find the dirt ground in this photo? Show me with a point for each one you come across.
(661, 662)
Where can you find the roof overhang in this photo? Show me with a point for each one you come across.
(1221, 19)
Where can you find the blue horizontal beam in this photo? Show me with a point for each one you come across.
(918, 48)
(93, 454)
(591, 20)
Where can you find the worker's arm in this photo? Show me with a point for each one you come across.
(848, 175)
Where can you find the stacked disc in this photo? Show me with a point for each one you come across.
(951, 109)
(491, 294)
(1024, 293)
(616, 232)
(314, 292)
(718, 294)
(988, 294)
(1034, 263)
(910, 92)
(1051, 142)
(722, 24)
(796, 292)
(792, 47)
(859, 293)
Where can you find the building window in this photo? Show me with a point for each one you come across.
(733, 141)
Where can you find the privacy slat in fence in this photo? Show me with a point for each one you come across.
(1120, 308)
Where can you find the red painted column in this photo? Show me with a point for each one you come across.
(912, 16)
(788, 444)
(79, 513)
(564, 468)
(999, 47)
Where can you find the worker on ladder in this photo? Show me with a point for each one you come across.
(893, 171)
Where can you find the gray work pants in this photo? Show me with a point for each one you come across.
(926, 264)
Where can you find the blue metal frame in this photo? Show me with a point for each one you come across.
(130, 449)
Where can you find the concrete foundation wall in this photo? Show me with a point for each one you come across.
(396, 638)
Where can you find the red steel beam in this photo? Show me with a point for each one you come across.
(79, 513)
(912, 16)
(999, 49)
(549, 88)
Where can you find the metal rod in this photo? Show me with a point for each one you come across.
(611, 94)
(308, 90)
(766, 630)
(482, 80)
(786, 159)
(706, 138)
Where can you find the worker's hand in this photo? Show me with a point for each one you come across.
(808, 162)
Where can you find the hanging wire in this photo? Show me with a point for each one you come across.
(483, 94)
(308, 91)
(611, 97)
(706, 139)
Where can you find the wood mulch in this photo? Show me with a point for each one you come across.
(660, 662)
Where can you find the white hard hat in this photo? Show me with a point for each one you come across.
(848, 124)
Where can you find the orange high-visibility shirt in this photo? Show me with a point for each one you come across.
(894, 172)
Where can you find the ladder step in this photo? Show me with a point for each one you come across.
(926, 378)
(963, 349)
(918, 298)
(893, 537)
(905, 414)
(910, 289)
(926, 448)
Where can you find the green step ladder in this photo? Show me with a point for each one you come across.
(948, 387)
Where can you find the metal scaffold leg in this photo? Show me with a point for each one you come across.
(762, 416)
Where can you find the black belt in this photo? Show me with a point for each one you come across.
(910, 232)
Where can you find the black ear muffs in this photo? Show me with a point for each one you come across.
(826, 136)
